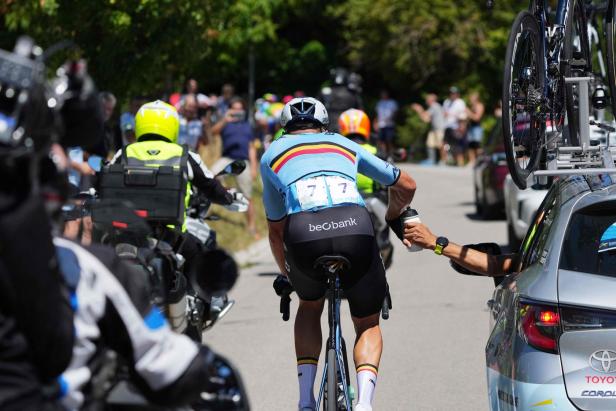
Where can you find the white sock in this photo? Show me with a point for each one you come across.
(306, 373)
(366, 384)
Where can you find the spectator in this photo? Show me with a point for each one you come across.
(112, 139)
(475, 132)
(435, 116)
(224, 101)
(127, 120)
(455, 110)
(238, 144)
(192, 128)
(191, 88)
(127, 127)
(386, 110)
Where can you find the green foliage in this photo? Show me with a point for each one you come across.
(150, 46)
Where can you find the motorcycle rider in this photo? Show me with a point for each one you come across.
(60, 305)
(156, 131)
(355, 125)
(309, 180)
(340, 96)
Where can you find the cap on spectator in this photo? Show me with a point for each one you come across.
(127, 122)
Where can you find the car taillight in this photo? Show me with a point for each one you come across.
(539, 326)
(574, 319)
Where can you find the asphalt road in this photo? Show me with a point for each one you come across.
(434, 341)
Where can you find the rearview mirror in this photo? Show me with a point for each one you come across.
(235, 168)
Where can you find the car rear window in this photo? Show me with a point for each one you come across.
(590, 242)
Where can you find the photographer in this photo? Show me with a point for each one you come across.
(238, 144)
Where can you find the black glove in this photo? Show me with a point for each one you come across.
(397, 227)
(397, 224)
(282, 285)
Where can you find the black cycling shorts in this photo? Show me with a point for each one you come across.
(347, 231)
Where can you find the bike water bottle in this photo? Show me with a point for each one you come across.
(411, 215)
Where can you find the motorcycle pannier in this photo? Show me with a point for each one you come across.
(157, 193)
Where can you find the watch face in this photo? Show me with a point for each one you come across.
(442, 241)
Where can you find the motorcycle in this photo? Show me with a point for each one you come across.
(180, 296)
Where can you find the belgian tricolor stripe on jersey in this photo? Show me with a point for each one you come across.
(311, 148)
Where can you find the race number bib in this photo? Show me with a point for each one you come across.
(312, 193)
(325, 191)
(342, 190)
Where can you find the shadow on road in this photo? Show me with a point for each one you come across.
(272, 274)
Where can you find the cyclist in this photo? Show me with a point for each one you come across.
(355, 125)
(314, 208)
(156, 129)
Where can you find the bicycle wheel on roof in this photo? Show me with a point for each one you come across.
(523, 98)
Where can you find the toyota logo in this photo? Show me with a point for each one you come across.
(603, 361)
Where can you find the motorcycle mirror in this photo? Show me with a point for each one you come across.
(228, 392)
(234, 168)
(213, 271)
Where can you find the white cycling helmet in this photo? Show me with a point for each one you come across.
(304, 111)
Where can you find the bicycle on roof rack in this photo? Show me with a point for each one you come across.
(540, 89)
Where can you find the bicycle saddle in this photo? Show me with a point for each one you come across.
(332, 262)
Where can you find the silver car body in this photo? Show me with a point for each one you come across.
(520, 208)
(522, 377)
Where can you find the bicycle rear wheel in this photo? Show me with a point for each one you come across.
(610, 32)
(576, 46)
(523, 98)
(331, 399)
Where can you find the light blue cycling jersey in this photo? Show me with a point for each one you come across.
(309, 172)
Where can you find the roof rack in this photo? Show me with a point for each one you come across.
(585, 159)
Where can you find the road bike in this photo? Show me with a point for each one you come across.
(540, 56)
(336, 392)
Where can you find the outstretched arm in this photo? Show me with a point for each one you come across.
(473, 260)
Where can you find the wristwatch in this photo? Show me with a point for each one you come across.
(441, 243)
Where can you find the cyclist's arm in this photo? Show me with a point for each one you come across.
(276, 238)
(276, 213)
(473, 260)
(401, 185)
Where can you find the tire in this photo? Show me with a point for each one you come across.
(478, 205)
(610, 32)
(523, 128)
(576, 29)
(331, 401)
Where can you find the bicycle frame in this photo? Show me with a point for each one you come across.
(551, 56)
(335, 339)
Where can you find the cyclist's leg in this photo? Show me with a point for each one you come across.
(365, 301)
(308, 335)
